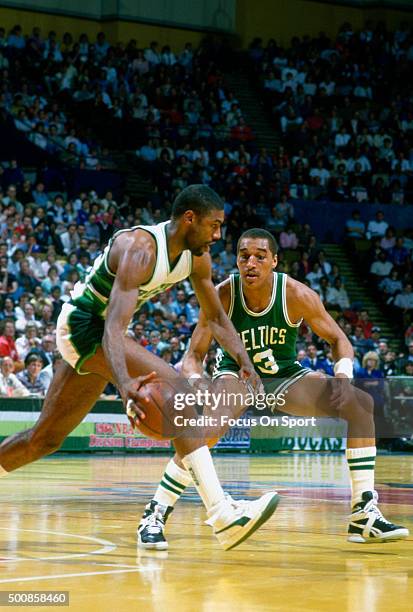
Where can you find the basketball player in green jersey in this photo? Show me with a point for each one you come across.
(266, 309)
(91, 336)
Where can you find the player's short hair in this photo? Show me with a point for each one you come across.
(199, 198)
(257, 232)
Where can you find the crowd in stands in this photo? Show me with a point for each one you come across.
(345, 111)
(190, 129)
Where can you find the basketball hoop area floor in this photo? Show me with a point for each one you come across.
(68, 524)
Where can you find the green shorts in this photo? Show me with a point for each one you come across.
(288, 374)
(78, 335)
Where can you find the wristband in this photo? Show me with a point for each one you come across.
(344, 366)
(193, 378)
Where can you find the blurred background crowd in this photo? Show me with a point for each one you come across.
(342, 111)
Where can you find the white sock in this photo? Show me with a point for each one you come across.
(201, 467)
(3, 472)
(361, 463)
(173, 483)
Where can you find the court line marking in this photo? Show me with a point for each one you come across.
(74, 575)
(106, 548)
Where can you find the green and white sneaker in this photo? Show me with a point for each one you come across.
(234, 521)
(367, 525)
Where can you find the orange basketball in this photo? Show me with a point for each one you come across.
(160, 410)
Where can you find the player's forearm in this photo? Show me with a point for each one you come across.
(113, 345)
(224, 333)
(192, 363)
(342, 349)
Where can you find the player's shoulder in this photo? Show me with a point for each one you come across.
(224, 287)
(224, 293)
(137, 238)
(298, 292)
(135, 245)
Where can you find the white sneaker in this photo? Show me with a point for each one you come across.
(234, 521)
(367, 524)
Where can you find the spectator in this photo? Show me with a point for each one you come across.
(404, 302)
(370, 379)
(382, 267)
(30, 376)
(70, 239)
(10, 385)
(360, 343)
(337, 295)
(47, 373)
(288, 239)
(365, 323)
(314, 276)
(154, 339)
(138, 334)
(378, 226)
(177, 350)
(7, 343)
(312, 361)
(355, 228)
(399, 254)
(28, 317)
(26, 342)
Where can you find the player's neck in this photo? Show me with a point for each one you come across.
(258, 298)
(174, 241)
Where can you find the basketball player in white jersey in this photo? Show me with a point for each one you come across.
(91, 336)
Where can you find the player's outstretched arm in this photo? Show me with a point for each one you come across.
(132, 258)
(202, 337)
(304, 302)
(221, 327)
(307, 304)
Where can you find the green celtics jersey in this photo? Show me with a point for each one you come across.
(93, 294)
(268, 336)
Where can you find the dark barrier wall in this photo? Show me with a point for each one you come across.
(328, 219)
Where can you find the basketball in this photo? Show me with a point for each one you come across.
(159, 409)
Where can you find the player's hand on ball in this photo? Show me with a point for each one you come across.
(252, 380)
(133, 400)
(341, 391)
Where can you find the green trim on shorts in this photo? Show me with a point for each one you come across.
(81, 360)
(286, 382)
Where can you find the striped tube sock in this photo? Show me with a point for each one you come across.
(361, 463)
(173, 483)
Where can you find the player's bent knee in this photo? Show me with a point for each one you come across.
(364, 401)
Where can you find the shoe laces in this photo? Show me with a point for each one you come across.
(371, 507)
(154, 522)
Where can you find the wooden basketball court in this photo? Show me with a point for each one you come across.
(68, 523)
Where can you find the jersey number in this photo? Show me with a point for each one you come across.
(267, 359)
